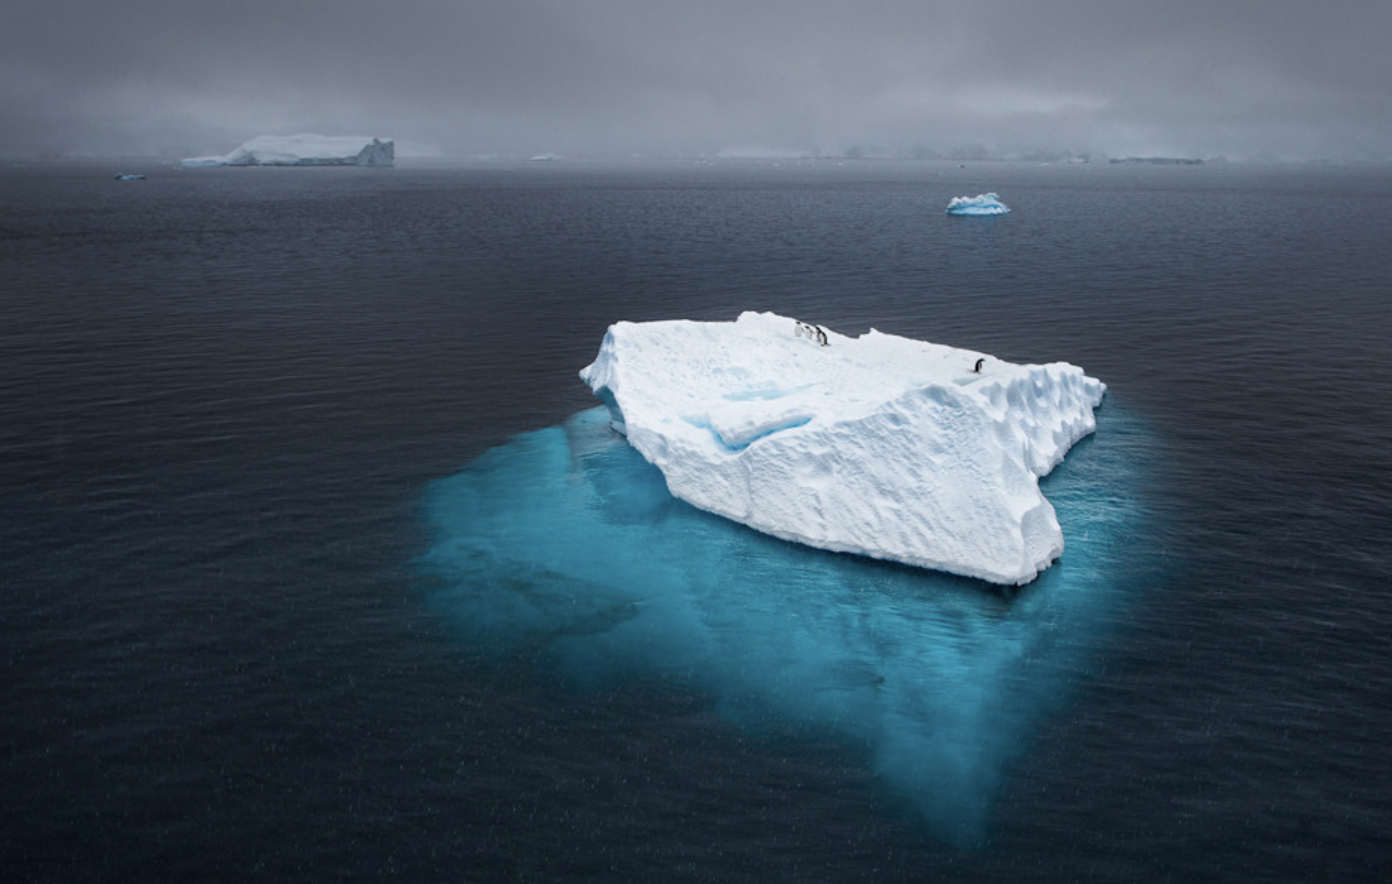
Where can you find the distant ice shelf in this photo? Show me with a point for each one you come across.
(1156, 161)
(981, 204)
(877, 445)
(304, 150)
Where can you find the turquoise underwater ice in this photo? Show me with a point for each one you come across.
(566, 541)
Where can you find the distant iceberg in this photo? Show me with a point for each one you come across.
(981, 204)
(877, 445)
(304, 150)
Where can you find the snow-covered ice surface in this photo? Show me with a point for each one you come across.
(877, 445)
(981, 204)
(304, 150)
(563, 549)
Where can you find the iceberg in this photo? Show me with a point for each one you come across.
(876, 445)
(981, 204)
(303, 150)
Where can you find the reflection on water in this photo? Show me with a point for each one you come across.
(565, 543)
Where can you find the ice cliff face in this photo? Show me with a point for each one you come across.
(304, 150)
(877, 445)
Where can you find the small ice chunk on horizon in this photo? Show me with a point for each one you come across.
(981, 204)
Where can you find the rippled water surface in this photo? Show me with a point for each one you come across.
(282, 449)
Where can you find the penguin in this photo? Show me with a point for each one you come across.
(977, 370)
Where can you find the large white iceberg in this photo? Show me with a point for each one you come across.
(878, 445)
(304, 150)
(981, 204)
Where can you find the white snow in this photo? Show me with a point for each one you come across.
(304, 150)
(981, 204)
(878, 445)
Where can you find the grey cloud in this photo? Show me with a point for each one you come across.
(622, 76)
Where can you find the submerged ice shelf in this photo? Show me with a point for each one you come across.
(564, 547)
(877, 445)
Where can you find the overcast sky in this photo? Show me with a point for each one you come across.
(1280, 78)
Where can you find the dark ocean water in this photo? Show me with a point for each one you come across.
(241, 410)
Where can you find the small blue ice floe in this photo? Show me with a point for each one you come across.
(981, 204)
(129, 176)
